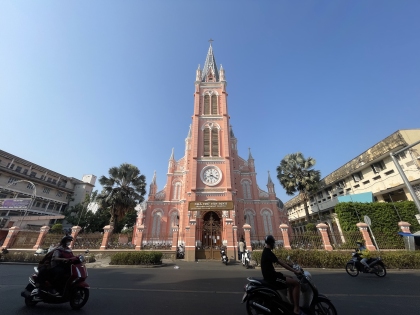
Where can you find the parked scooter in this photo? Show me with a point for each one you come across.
(354, 266)
(41, 252)
(75, 291)
(262, 298)
(246, 259)
(223, 255)
(180, 252)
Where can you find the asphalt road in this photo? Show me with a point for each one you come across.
(208, 287)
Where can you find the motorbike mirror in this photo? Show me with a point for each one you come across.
(87, 251)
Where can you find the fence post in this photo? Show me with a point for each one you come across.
(190, 241)
(13, 232)
(107, 233)
(323, 228)
(363, 227)
(139, 236)
(74, 232)
(42, 232)
(247, 232)
(284, 228)
(175, 230)
(230, 246)
(404, 226)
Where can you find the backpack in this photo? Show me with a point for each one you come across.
(45, 262)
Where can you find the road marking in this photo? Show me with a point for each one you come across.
(233, 292)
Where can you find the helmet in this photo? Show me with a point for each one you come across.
(359, 242)
(269, 239)
(65, 239)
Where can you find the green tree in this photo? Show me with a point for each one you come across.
(122, 191)
(57, 228)
(295, 174)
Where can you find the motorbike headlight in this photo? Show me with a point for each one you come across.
(82, 258)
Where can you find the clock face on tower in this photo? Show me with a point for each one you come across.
(211, 175)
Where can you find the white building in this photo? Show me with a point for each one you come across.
(371, 171)
(50, 191)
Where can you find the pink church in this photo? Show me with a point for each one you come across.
(211, 197)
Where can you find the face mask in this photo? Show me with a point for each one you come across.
(68, 244)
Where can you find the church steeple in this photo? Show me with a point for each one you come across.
(171, 166)
(270, 186)
(210, 72)
(251, 161)
(153, 187)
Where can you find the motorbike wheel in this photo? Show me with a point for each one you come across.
(324, 307)
(256, 303)
(379, 270)
(352, 270)
(78, 298)
(226, 262)
(246, 264)
(29, 302)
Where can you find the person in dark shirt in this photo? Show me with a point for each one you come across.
(277, 279)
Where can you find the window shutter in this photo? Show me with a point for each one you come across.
(206, 135)
(206, 104)
(214, 105)
(214, 143)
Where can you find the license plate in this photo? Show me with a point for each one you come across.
(244, 297)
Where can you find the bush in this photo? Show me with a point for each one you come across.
(136, 258)
(21, 257)
(338, 259)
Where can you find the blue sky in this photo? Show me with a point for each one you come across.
(87, 85)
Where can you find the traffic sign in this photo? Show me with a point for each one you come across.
(368, 221)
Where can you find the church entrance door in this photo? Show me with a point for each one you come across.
(209, 234)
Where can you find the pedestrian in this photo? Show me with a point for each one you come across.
(241, 248)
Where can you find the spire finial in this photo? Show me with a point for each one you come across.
(154, 178)
(250, 155)
(269, 178)
(172, 155)
(210, 41)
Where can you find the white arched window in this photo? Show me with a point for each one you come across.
(250, 219)
(268, 226)
(246, 188)
(173, 221)
(157, 221)
(211, 139)
(176, 194)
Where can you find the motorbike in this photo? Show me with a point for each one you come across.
(180, 252)
(354, 266)
(75, 291)
(262, 298)
(246, 259)
(41, 252)
(223, 255)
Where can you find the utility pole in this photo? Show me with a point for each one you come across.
(406, 181)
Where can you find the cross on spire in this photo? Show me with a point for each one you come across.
(211, 41)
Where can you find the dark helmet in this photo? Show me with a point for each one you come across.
(269, 239)
(65, 239)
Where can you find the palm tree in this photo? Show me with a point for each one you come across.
(122, 190)
(295, 175)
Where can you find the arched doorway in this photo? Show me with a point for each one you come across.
(209, 234)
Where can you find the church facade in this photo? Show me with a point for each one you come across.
(211, 197)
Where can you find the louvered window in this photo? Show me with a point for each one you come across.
(206, 104)
(214, 104)
(206, 135)
(214, 142)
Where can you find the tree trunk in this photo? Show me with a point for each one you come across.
(305, 206)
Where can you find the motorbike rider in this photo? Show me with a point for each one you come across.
(60, 270)
(277, 279)
(364, 254)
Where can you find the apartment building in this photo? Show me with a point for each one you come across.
(372, 171)
(39, 195)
